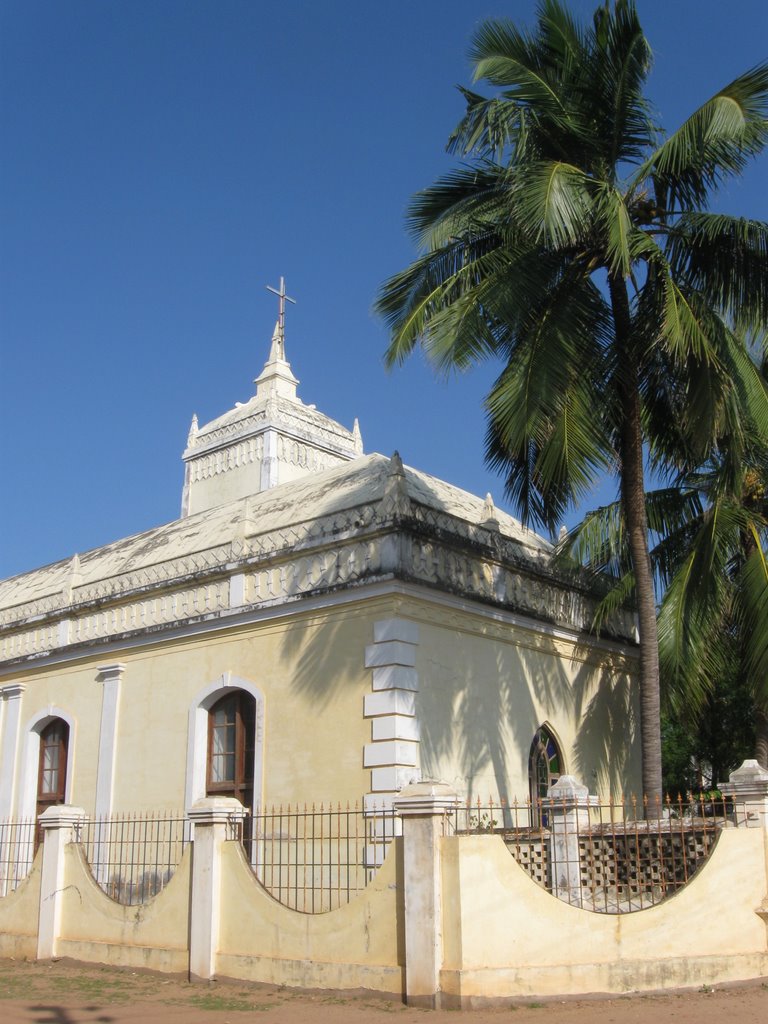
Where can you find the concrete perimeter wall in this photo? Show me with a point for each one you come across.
(451, 921)
(358, 946)
(506, 936)
(18, 916)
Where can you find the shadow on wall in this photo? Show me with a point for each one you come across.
(321, 660)
(486, 709)
(477, 711)
(608, 731)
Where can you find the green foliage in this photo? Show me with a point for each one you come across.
(699, 751)
(711, 564)
(569, 181)
(574, 246)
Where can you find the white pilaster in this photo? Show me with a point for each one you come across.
(393, 754)
(10, 719)
(110, 677)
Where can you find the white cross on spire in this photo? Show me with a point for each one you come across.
(282, 298)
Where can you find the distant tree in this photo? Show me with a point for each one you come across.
(713, 619)
(575, 246)
(699, 751)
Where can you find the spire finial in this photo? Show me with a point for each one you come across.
(489, 518)
(278, 339)
(192, 430)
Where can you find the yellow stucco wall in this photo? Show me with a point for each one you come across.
(310, 669)
(95, 929)
(505, 936)
(485, 685)
(19, 912)
(359, 945)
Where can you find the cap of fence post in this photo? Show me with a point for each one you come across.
(62, 816)
(216, 810)
(566, 807)
(59, 825)
(748, 788)
(423, 806)
(425, 799)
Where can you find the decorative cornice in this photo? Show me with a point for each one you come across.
(492, 620)
(11, 691)
(394, 537)
(295, 419)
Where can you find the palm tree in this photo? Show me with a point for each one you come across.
(575, 246)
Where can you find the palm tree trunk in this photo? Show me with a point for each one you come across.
(761, 737)
(633, 505)
(748, 547)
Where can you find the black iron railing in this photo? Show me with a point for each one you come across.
(17, 852)
(133, 857)
(613, 857)
(316, 858)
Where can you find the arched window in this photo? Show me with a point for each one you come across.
(231, 741)
(52, 765)
(51, 769)
(545, 766)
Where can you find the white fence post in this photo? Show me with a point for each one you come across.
(60, 824)
(423, 807)
(748, 787)
(567, 806)
(213, 818)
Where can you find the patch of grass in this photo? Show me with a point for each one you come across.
(102, 986)
(13, 988)
(214, 1001)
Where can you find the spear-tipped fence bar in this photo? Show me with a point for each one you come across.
(316, 858)
(612, 857)
(17, 851)
(133, 857)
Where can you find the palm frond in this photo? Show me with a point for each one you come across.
(554, 206)
(615, 223)
(599, 543)
(726, 259)
(467, 199)
(488, 127)
(618, 598)
(714, 143)
(545, 428)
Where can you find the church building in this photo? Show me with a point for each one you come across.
(319, 624)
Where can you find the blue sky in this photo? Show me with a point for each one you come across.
(162, 162)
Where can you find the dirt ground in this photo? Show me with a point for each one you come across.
(68, 993)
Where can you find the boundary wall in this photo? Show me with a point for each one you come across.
(448, 920)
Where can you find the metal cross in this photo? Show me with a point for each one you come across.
(281, 295)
